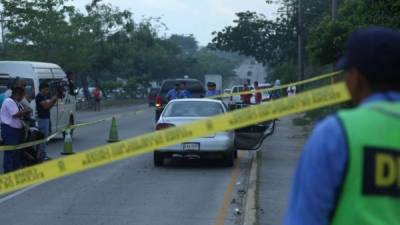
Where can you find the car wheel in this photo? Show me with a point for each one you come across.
(229, 158)
(158, 159)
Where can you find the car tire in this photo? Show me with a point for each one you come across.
(158, 159)
(229, 158)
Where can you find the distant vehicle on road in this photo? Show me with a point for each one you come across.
(195, 87)
(237, 98)
(182, 111)
(151, 97)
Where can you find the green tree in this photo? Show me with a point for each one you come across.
(187, 43)
(328, 38)
(272, 42)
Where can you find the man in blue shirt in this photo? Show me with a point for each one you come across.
(211, 89)
(184, 93)
(372, 67)
(173, 93)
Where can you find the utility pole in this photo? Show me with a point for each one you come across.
(334, 9)
(300, 41)
(2, 32)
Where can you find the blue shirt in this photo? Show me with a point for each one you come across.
(210, 93)
(185, 94)
(321, 169)
(172, 94)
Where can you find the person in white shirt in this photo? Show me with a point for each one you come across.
(12, 130)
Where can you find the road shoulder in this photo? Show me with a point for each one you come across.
(271, 174)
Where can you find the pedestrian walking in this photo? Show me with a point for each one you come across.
(43, 105)
(349, 170)
(258, 97)
(97, 99)
(12, 130)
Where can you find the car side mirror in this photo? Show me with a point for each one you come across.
(251, 138)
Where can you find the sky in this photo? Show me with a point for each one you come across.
(197, 17)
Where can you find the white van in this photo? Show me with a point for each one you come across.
(34, 73)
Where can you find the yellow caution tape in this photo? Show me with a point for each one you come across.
(107, 154)
(324, 76)
(38, 142)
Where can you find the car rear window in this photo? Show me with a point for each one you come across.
(193, 109)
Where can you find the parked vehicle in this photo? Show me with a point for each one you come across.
(195, 87)
(183, 111)
(237, 98)
(227, 91)
(151, 97)
(223, 144)
(34, 73)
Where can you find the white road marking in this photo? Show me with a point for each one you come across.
(17, 193)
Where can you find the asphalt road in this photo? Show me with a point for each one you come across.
(132, 191)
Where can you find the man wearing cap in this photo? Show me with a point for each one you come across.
(211, 89)
(349, 171)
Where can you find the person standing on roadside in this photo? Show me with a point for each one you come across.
(97, 99)
(258, 97)
(349, 169)
(70, 83)
(184, 93)
(43, 105)
(173, 93)
(246, 98)
(211, 89)
(12, 130)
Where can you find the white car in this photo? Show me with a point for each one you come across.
(182, 111)
(235, 90)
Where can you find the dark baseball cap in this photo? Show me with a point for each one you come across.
(375, 52)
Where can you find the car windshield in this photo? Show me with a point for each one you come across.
(193, 109)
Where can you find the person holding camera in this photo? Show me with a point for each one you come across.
(43, 105)
(12, 129)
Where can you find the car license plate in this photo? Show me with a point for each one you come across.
(191, 146)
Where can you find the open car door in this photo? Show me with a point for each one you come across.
(252, 137)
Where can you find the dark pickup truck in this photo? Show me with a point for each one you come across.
(195, 87)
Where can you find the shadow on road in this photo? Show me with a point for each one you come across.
(196, 163)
